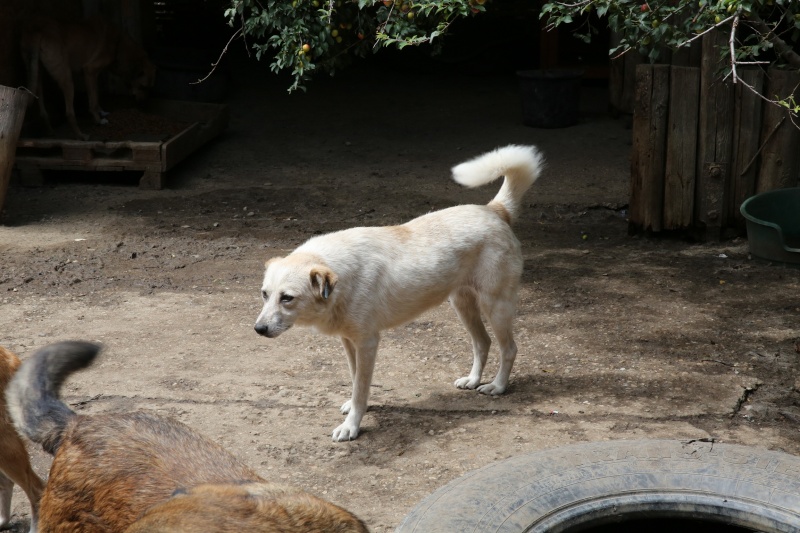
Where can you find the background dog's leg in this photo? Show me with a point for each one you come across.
(16, 468)
(58, 66)
(31, 57)
(69, 103)
(6, 489)
(501, 317)
(350, 350)
(366, 350)
(465, 302)
(90, 77)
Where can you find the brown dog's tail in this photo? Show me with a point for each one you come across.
(521, 166)
(33, 394)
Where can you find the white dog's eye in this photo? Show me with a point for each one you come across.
(285, 298)
(265, 295)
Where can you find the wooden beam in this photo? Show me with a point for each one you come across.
(648, 154)
(715, 138)
(681, 158)
(747, 128)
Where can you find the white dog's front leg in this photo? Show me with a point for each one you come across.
(350, 350)
(365, 352)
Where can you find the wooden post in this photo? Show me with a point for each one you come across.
(13, 104)
(681, 166)
(747, 127)
(648, 152)
(622, 79)
(715, 138)
(780, 139)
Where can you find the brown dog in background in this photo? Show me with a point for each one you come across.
(136, 472)
(89, 46)
(15, 466)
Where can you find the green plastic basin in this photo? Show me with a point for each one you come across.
(773, 225)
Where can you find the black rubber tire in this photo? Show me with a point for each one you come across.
(584, 485)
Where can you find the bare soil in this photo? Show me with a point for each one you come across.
(620, 337)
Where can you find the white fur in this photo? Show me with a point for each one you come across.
(357, 282)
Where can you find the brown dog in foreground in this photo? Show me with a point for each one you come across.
(136, 472)
(15, 467)
(89, 46)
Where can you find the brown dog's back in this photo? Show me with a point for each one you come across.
(262, 507)
(111, 470)
(129, 463)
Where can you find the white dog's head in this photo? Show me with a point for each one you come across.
(296, 289)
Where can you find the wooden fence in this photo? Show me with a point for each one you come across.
(702, 145)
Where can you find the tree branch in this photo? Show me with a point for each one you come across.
(783, 50)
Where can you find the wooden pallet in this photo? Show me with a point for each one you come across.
(152, 157)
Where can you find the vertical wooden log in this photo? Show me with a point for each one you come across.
(13, 104)
(715, 138)
(681, 164)
(747, 129)
(780, 139)
(648, 153)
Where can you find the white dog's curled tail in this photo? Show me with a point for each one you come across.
(521, 166)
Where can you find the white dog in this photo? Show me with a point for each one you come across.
(357, 282)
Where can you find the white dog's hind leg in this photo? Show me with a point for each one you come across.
(501, 318)
(465, 304)
(366, 351)
(350, 350)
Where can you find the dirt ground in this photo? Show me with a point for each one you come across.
(620, 337)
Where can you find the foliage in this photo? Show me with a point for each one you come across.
(322, 35)
(760, 32)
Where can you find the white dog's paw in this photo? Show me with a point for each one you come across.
(492, 389)
(467, 383)
(345, 408)
(345, 432)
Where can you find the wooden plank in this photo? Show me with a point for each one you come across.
(681, 157)
(179, 147)
(49, 163)
(747, 128)
(715, 138)
(206, 121)
(75, 152)
(648, 154)
(147, 152)
(780, 139)
(632, 59)
(13, 104)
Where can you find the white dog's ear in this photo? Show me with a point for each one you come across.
(323, 280)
